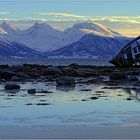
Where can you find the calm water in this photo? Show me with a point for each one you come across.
(46, 61)
(67, 108)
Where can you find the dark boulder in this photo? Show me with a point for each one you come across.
(53, 70)
(133, 78)
(86, 72)
(68, 71)
(15, 78)
(7, 75)
(129, 99)
(94, 98)
(32, 91)
(11, 86)
(74, 65)
(118, 76)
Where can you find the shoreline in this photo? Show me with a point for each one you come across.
(108, 76)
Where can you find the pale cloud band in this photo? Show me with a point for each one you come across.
(130, 19)
(62, 15)
(4, 13)
(67, 16)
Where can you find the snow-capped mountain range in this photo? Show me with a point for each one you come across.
(90, 46)
(83, 39)
(15, 49)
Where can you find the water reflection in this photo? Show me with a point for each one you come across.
(72, 108)
(13, 91)
(65, 87)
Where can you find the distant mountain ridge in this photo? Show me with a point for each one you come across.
(90, 46)
(13, 49)
(85, 39)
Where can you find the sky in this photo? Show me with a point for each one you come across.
(68, 9)
(111, 11)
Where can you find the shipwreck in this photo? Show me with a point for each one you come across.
(129, 56)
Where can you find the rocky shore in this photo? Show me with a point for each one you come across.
(70, 75)
(67, 77)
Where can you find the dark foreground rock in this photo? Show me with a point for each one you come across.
(133, 78)
(96, 74)
(118, 76)
(11, 86)
(31, 91)
(7, 75)
(53, 70)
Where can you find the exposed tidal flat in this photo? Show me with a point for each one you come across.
(74, 101)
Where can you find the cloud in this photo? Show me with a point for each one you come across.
(129, 19)
(62, 15)
(69, 16)
(4, 13)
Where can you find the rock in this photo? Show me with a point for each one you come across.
(45, 91)
(53, 70)
(133, 78)
(7, 75)
(24, 76)
(11, 95)
(65, 87)
(84, 100)
(32, 91)
(11, 86)
(42, 104)
(118, 76)
(85, 89)
(68, 71)
(16, 68)
(65, 81)
(42, 100)
(94, 98)
(129, 99)
(29, 104)
(74, 65)
(86, 72)
(90, 80)
(15, 78)
(99, 91)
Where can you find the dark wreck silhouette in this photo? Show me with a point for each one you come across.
(129, 56)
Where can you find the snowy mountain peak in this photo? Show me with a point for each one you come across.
(92, 27)
(43, 26)
(9, 28)
(2, 31)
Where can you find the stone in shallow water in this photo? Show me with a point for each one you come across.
(65, 87)
(94, 98)
(29, 104)
(129, 99)
(11, 86)
(15, 78)
(85, 89)
(53, 70)
(7, 75)
(68, 71)
(133, 78)
(65, 81)
(42, 104)
(118, 76)
(32, 91)
(84, 100)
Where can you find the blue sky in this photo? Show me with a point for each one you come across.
(69, 9)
